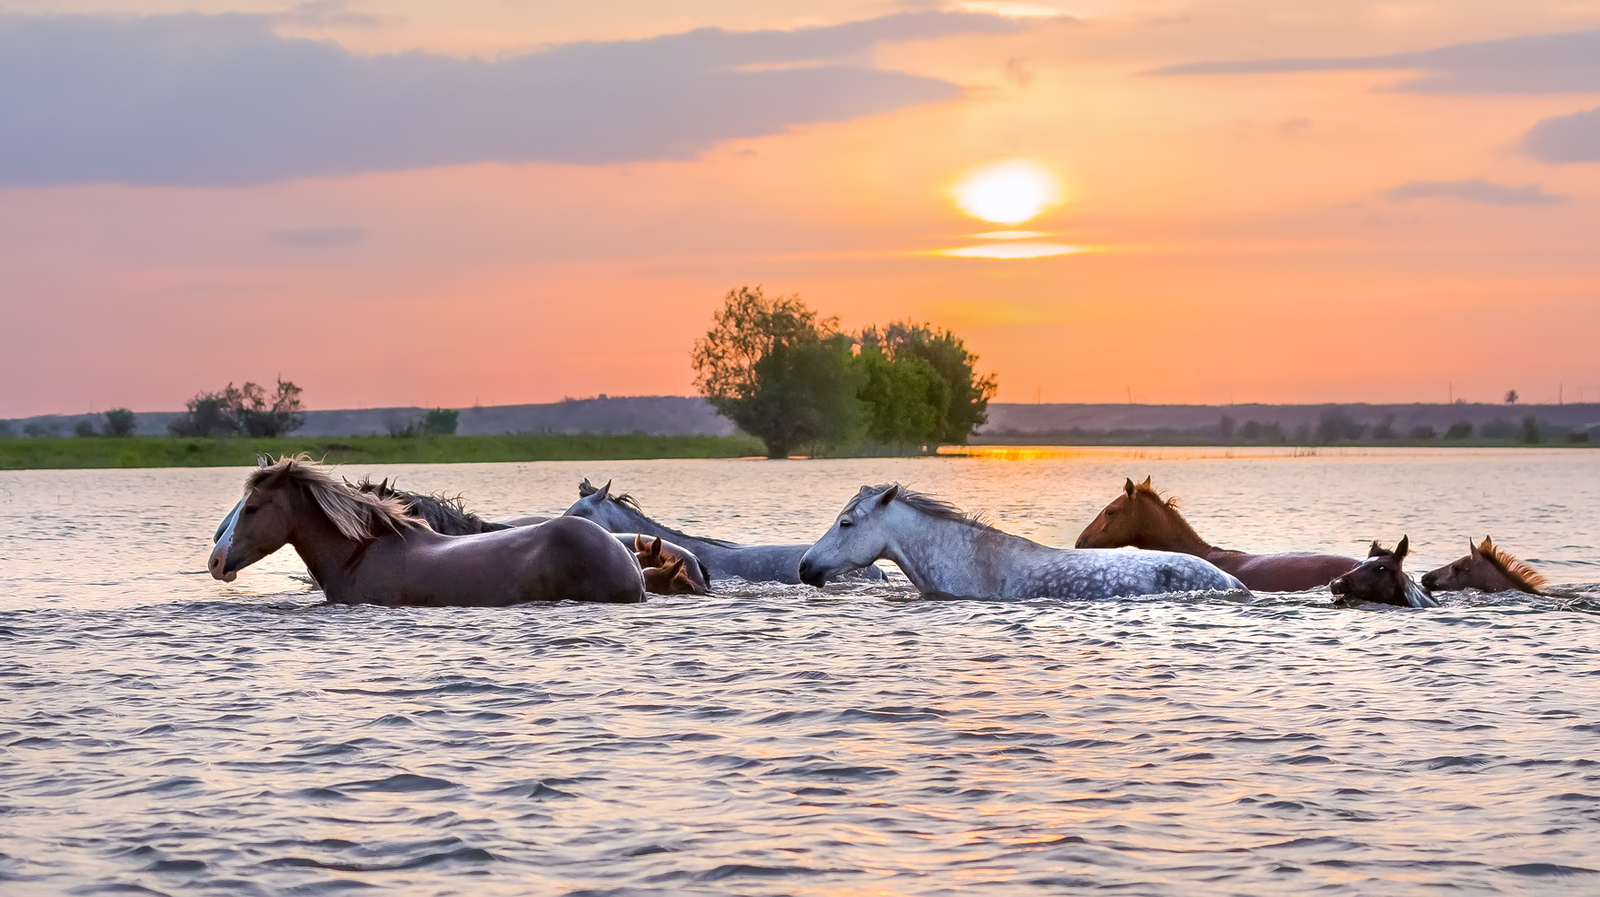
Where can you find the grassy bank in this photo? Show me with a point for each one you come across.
(166, 451)
(1141, 438)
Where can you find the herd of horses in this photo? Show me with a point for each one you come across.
(371, 543)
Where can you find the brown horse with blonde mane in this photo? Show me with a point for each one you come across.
(1487, 568)
(1140, 517)
(364, 548)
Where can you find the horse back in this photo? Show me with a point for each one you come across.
(1294, 572)
(567, 559)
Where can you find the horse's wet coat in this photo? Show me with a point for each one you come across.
(946, 553)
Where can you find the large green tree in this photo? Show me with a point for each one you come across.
(779, 372)
(905, 399)
(966, 400)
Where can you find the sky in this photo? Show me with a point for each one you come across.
(498, 202)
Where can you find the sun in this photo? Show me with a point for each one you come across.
(1010, 191)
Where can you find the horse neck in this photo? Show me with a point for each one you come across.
(1175, 533)
(700, 547)
(950, 557)
(327, 553)
(1495, 579)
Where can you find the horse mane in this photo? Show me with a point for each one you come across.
(443, 513)
(586, 489)
(934, 507)
(1525, 577)
(358, 516)
(1170, 501)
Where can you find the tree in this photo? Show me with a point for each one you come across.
(778, 372)
(84, 428)
(905, 400)
(1461, 429)
(441, 422)
(967, 406)
(1511, 397)
(246, 409)
(119, 422)
(269, 417)
(209, 414)
(1530, 430)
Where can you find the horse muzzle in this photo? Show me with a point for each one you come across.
(218, 563)
(1339, 586)
(812, 575)
(1429, 582)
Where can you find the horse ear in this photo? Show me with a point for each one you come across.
(604, 491)
(639, 544)
(889, 495)
(1404, 546)
(1128, 487)
(1146, 484)
(585, 488)
(655, 548)
(1375, 550)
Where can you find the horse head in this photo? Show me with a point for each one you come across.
(1137, 517)
(1381, 578)
(859, 536)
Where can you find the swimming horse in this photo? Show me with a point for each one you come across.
(753, 563)
(945, 553)
(1487, 568)
(366, 549)
(1381, 579)
(1140, 517)
(668, 569)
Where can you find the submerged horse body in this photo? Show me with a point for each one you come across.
(367, 549)
(448, 515)
(1382, 579)
(948, 554)
(753, 563)
(1487, 568)
(1141, 518)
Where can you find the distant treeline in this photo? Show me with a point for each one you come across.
(799, 383)
(1336, 426)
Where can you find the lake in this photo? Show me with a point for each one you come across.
(161, 732)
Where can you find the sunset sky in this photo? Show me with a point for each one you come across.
(493, 201)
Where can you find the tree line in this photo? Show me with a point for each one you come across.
(797, 382)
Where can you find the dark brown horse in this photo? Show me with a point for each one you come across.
(1382, 579)
(1141, 518)
(366, 549)
(1487, 568)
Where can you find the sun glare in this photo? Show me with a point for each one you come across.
(1007, 192)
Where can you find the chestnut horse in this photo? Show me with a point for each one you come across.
(367, 549)
(1487, 568)
(666, 571)
(1141, 518)
(1381, 578)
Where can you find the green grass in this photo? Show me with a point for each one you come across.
(167, 451)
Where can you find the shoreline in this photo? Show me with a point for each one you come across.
(100, 452)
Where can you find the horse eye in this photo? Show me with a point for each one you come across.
(1381, 568)
(845, 522)
(251, 509)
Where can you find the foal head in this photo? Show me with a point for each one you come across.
(1139, 517)
(1487, 568)
(1380, 578)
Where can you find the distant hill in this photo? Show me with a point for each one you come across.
(683, 416)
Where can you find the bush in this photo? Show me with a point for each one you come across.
(1459, 430)
(246, 410)
(84, 428)
(1530, 430)
(967, 394)
(441, 422)
(1499, 428)
(1424, 432)
(1336, 425)
(119, 422)
(5, 430)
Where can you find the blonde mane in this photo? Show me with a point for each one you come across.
(1525, 577)
(358, 516)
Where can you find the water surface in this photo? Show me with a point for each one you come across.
(165, 733)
